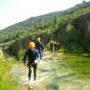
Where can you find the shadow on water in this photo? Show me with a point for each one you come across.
(52, 87)
(64, 76)
(29, 88)
(48, 70)
(25, 87)
(63, 79)
(87, 55)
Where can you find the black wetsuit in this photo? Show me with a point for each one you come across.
(40, 46)
(32, 56)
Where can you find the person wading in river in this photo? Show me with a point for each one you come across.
(33, 57)
(40, 46)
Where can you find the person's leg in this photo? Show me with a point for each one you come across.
(40, 54)
(35, 70)
(30, 71)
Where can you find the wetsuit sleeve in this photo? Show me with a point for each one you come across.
(37, 54)
(42, 46)
(25, 56)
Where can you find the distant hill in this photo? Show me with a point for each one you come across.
(46, 25)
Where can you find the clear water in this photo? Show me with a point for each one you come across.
(56, 74)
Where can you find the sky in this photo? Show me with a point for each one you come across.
(13, 11)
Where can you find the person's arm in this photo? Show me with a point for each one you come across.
(37, 55)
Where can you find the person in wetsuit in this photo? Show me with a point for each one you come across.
(33, 57)
(40, 46)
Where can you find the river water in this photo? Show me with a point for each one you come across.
(50, 76)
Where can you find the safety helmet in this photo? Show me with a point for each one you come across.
(38, 39)
(31, 45)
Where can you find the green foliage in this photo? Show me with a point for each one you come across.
(21, 54)
(71, 49)
(6, 81)
(48, 46)
(69, 28)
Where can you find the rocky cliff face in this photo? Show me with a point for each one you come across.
(83, 23)
(88, 28)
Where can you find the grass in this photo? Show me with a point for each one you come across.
(6, 80)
